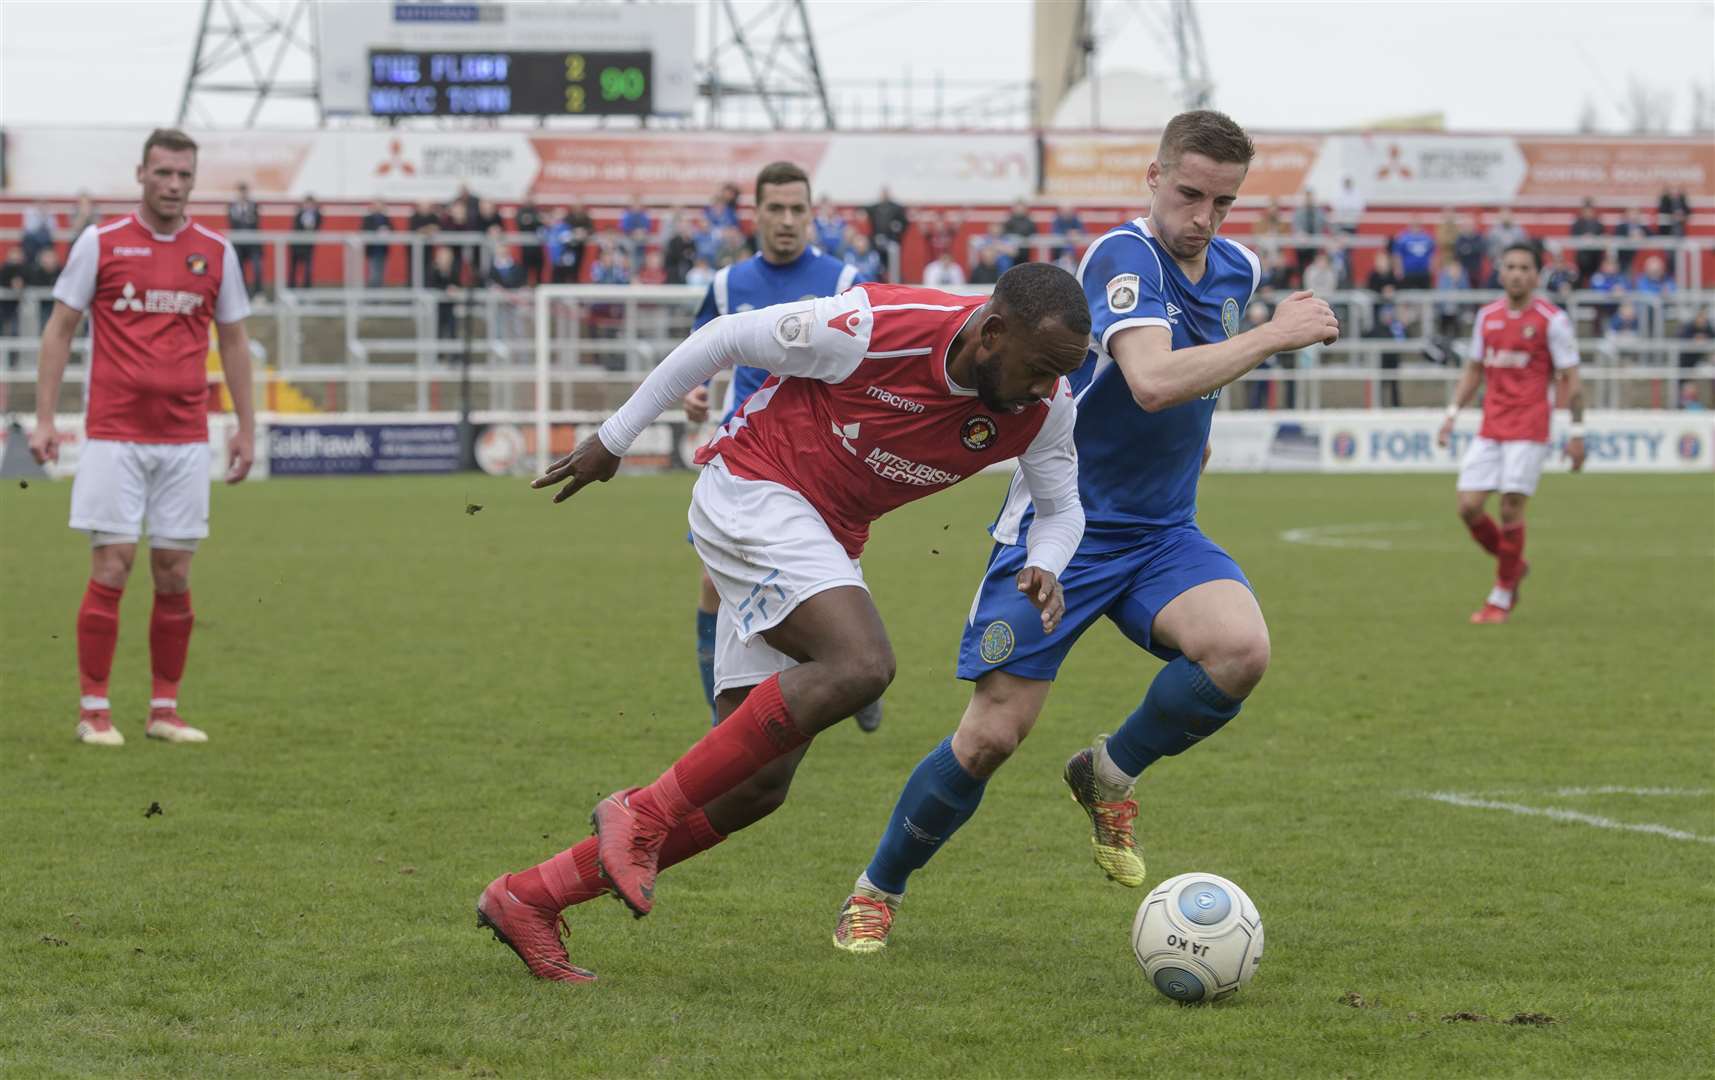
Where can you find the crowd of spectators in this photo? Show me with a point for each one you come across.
(1311, 243)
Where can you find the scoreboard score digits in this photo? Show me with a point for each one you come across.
(471, 83)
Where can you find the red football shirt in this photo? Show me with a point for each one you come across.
(150, 297)
(879, 423)
(1520, 352)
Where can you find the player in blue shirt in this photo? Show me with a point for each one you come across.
(1166, 295)
(785, 268)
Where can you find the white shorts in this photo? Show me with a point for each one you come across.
(767, 550)
(1511, 467)
(124, 489)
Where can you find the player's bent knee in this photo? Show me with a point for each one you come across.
(866, 675)
(1240, 663)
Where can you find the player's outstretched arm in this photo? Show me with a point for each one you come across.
(1161, 377)
(786, 339)
(50, 372)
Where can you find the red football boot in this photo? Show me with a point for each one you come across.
(628, 847)
(531, 932)
(1491, 613)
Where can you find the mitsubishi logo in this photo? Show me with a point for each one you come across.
(1395, 164)
(846, 433)
(396, 160)
(128, 300)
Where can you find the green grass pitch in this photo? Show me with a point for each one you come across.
(405, 699)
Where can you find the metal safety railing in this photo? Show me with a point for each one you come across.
(585, 347)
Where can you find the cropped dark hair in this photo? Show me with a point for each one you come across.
(1530, 247)
(1207, 132)
(780, 172)
(168, 139)
(1037, 292)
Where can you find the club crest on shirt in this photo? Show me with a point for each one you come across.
(997, 642)
(792, 331)
(978, 433)
(1230, 316)
(1529, 330)
(196, 264)
(1122, 293)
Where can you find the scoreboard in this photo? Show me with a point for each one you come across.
(505, 83)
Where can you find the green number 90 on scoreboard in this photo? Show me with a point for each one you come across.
(606, 84)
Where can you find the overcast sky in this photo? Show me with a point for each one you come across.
(1276, 66)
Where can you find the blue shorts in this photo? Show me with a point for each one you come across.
(1004, 631)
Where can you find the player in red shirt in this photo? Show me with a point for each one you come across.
(878, 396)
(151, 282)
(1521, 346)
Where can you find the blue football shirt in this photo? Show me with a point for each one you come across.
(758, 283)
(1138, 470)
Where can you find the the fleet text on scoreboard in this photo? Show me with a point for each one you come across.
(465, 83)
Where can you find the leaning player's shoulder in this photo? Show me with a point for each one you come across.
(883, 296)
(1238, 259)
(1128, 246)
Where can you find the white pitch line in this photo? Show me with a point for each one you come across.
(1453, 798)
(1345, 536)
(1352, 536)
(1608, 789)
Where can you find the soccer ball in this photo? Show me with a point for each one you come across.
(1198, 937)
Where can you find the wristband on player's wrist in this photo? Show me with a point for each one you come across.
(1576, 431)
(1452, 411)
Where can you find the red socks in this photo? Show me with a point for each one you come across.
(573, 876)
(758, 732)
(97, 636)
(1486, 533)
(169, 641)
(1510, 551)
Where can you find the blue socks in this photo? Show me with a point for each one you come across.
(939, 797)
(1183, 707)
(706, 657)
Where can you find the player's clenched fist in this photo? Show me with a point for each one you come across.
(1043, 589)
(45, 443)
(1302, 320)
(591, 462)
(696, 405)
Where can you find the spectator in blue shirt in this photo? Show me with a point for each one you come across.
(1654, 279)
(996, 240)
(636, 225)
(830, 226)
(1608, 277)
(722, 211)
(1631, 229)
(860, 254)
(1068, 224)
(1415, 250)
(613, 268)
(1452, 278)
